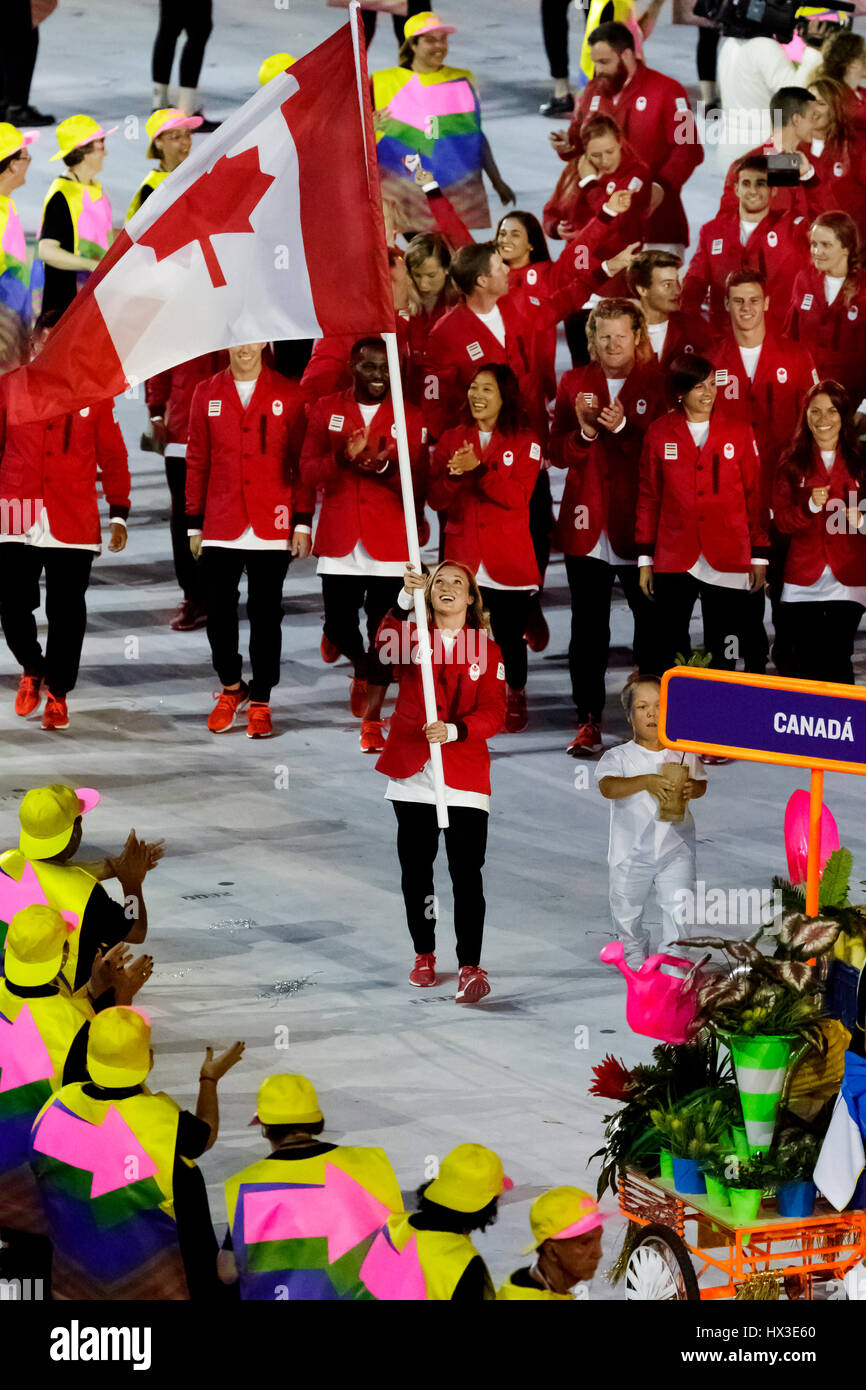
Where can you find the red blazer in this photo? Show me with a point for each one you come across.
(576, 202)
(841, 181)
(793, 198)
(686, 333)
(457, 346)
(58, 464)
(470, 692)
(820, 538)
(357, 505)
(772, 403)
(601, 488)
(654, 115)
(833, 333)
(242, 464)
(778, 246)
(170, 393)
(707, 502)
(488, 509)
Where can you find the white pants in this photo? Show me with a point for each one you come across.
(630, 884)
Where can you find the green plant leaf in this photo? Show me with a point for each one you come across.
(833, 888)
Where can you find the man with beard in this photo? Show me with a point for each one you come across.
(653, 113)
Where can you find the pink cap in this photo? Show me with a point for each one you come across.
(88, 798)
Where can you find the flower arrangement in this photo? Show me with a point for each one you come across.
(758, 1172)
(693, 1129)
(796, 1154)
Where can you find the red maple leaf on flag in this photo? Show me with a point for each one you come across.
(220, 201)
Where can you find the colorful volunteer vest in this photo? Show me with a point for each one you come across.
(14, 279)
(623, 13)
(153, 180)
(105, 1174)
(301, 1228)
(511, 1292)
(65, 887)
(406, 1265)
(91, 225)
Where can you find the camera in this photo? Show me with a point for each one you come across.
(751, 19)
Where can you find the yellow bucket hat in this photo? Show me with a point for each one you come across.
(118, 1047)
(168, 118)
(562, 1213)
(287, 1099)
(34, 946)
(469, 1177)
(47, 816)
(12, 139)
(271, 67)
(78, 130)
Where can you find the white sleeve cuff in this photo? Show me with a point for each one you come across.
(428, 187)
(452, 733)
(755, 561)
(193, 533)
(117, 521)
(621, 426)
(590, 438)
(644, 560)
(813, 508)
(405, 601)
(611, 212)
(590, 178)
(302, 530)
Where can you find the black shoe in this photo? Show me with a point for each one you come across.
(558, 106)
(27, 115)
(206, 126)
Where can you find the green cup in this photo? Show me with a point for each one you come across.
(717, 1192)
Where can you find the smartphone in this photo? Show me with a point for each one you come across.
(783, 170)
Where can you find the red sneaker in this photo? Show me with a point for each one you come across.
(423, 973)
(516, 718)
(373, 736)
(55, 715)
(29, 695)
(537, 634)
(329, 652)
(259, 720)
(586, 741)
(358, 698)
(472, 984)
(228, 706)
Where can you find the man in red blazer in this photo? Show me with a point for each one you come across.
(777, 245)
(653, 112)
(790, 111)
(350, 452)
(247, 509)
(654, 280)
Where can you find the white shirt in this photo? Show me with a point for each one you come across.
(749, 72)
(494, 322)
(248, 540)
(832, 286)
(39, 535)
(750, 357)
(359, 562)
(636, 833)
(657, 334)
(746, 229)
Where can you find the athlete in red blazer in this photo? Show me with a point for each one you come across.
(653, 279)
(832, 329)
(469, 681)
(819, 500)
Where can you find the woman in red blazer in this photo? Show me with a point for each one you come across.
(699, 528)
(819, 499)
(828, 303)
(483, 475)
(469, 678)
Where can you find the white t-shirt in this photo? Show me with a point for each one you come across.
(493, 321)
(248, 540)
(746, 229)
(359, 563)
(750, 356)
(636, 833)
(832, 286)
(657, 334)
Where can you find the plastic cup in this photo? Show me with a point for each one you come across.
(677, 774)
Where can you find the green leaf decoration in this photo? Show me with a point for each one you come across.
(833, 888)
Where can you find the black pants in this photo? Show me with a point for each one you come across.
(17, 53)
(509, 613)
(541, 521)
(176, 17)
(729, 616)
(186, 567)
(822, 637)
(554, 29)
(465, 846)
(344, 596)
(67, 574)
(369, 18)
(708, 47)
(221, 572)
(591, 584)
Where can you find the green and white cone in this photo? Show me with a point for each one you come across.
(760, 1065)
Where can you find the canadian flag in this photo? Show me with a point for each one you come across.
(272, 229)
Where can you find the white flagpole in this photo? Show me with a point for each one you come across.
(424, 650)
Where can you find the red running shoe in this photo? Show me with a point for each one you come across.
(472, 984)
(29, 695)
(358, 698)
(537, 634)
(423, 973)
(55, 715)
(329, 652)
(586, 741)
(259, 720)
(516, 718)
(228, 706)
(373, 736)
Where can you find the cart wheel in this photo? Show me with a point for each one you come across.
(660, 1269)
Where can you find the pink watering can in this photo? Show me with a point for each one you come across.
(658, 1006)
(797, 835)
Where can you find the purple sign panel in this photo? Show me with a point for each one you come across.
(766, 718)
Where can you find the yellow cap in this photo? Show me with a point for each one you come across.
(118, 1048)
(47, 816)
(168, 118)
(78, 130)
(562, 1213)
(12, 139)
(469, 1177)
(287, 1099)
(273, 66)
(34, 945)
(426, 23)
